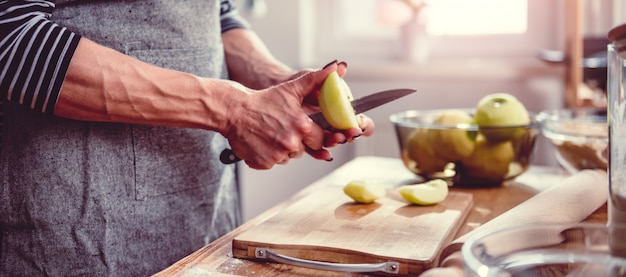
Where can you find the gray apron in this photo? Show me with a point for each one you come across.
(103, 199)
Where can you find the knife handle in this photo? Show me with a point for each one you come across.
(229, 157)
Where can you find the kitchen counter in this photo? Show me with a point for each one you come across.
(215, 259)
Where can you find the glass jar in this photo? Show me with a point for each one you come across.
(616, 89)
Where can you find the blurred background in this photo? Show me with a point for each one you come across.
(548, 53)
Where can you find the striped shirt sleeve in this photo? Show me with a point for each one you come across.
(34, 54)
(229, 16)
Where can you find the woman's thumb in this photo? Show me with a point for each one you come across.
(313, 80)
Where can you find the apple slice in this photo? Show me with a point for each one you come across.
(429, 193)
(364, 191)
(335, 102)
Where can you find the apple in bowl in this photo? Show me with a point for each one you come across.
(490, 147)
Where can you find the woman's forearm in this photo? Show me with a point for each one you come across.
(105, 85)
(250, 62)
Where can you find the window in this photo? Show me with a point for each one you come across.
(442, 29)
(477, 17)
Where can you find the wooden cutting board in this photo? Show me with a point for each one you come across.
(328, 226)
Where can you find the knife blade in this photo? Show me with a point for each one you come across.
(360, 105)
(366, 103)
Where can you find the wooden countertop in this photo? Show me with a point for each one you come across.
(215, 259)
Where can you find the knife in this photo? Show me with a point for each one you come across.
(360, 105)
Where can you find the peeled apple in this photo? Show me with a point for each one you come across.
(364, 191)
(335, 101)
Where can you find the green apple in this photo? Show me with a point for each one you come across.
(418, 155)
(335, 102)
(364, 191)
(501, 109)
(490, 160)
(428, 193)
(451, 144)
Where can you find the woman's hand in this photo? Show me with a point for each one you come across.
(333, 137)
(272, 125)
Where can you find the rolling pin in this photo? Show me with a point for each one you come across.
(570, 201)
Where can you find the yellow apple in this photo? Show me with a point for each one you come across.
(501, 109)
(428, 193)
(451, 144)
(335, 102)
(364, 191)
(418, 154)
(490, 160)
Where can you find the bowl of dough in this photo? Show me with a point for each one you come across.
(481, 146)
(579, 137)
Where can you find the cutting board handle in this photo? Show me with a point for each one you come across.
(387, 267)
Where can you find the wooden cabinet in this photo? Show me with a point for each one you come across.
(585, 27)
(573, 54)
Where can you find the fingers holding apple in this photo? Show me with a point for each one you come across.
(366, 128)
(367, 124)
(335, 102)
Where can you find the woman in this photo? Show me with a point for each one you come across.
(115, 113)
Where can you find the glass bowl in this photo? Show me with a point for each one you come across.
(489, 163)
(580, 249)
(579, 137)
